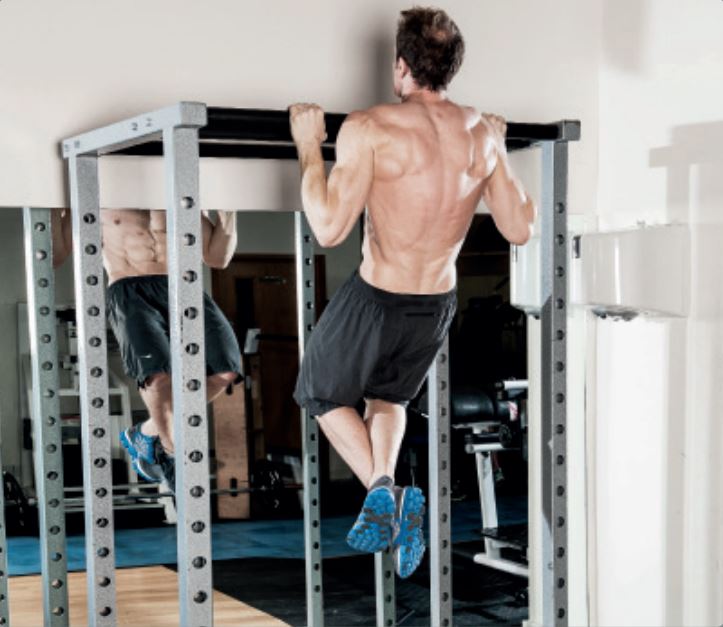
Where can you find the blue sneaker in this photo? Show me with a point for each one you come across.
(409, 538)
(143, 450)
(373, 529)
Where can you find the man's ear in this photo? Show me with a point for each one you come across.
(403, 67)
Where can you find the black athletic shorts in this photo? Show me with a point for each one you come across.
(372, 344)
(138, 314)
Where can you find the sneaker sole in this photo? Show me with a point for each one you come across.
(412, 503)
(368, 536)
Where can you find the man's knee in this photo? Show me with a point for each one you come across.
(376, 406)
(224, 378)
(157, 381)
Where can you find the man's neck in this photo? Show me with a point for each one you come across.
(425, 96)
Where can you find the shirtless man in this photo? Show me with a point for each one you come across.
(134, 256)
(420, 168)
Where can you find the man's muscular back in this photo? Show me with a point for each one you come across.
(430, 164)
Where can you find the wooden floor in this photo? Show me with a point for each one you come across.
(145, 596)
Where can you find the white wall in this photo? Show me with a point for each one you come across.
(657, 519)
(71, 66)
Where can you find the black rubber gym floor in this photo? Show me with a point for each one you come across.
(481, 596)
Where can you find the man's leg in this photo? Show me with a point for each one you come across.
(157, 394)
(217, 383)
(345, 430)
(385, 424)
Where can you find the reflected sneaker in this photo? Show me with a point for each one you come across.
(144, 450)
(373, 529)
(409, 538)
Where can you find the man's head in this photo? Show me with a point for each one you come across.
(430, 49)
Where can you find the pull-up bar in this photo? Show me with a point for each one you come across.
(265, 134)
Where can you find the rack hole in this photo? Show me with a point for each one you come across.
(195, 456)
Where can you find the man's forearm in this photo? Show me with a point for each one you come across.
(314, 191)
(222, 243)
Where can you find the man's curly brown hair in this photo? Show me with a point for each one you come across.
(431, 45)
